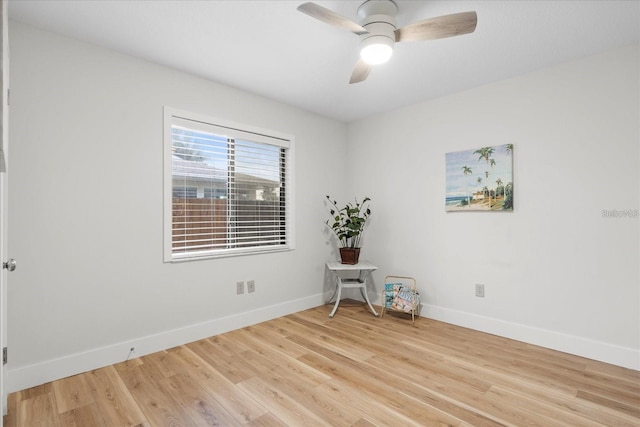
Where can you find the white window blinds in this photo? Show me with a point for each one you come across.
(229, 189)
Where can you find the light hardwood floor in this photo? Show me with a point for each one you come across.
(352, 370)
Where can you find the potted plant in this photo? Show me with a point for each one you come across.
(348, 225)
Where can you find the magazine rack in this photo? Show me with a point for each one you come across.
(400, 295)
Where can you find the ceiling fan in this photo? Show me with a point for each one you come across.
(378, 30)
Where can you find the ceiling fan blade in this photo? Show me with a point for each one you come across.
(330, 17)
(438, 28)
(360, 72)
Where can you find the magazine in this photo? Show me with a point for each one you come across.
(391, 290)
(405, 300)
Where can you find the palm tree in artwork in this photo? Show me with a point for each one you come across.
(508, 189)
(466, 170)
(486, 175)
(498, 186)
(508, 196)
(492, 163)
(485, 153)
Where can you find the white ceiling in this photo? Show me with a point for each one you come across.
(269, 48)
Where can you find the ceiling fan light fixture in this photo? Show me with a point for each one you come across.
(376, 50)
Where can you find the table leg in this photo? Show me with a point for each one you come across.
(335, 291)
(365, 276)
(339, 290)
(363, 291)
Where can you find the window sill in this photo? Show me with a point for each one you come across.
(226, 254)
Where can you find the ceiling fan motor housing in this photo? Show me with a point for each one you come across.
(379, 19)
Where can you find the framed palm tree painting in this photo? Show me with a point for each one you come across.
(480, 179)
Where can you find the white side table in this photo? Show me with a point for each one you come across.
(364, 269)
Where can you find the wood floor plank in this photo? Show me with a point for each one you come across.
(323, 334)
(276, 340)
(235, 401)
(146, 387)
(227, 365)
(428, 385)
(164, 363)
(39, 411)
(298, 371)
(115, 402)
(71, 393)
(625, 407)
(332, 412)
(287, 363)
(358, 400)
(224, 345)
(618, 372)
(33, 392)
(285, 407)
(87, 415)
(377, 385)
(350, 370)
(535, 411)
(196, 403)
(266, 420)
(363, 423)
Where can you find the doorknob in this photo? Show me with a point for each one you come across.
(10, 265)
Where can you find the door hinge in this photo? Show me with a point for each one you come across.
(4, 355)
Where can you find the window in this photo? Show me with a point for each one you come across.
(227, 188)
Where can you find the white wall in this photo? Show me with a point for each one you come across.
(557, 273)
(86, 211)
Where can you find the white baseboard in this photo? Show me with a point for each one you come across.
(591, 349)
(32, 375)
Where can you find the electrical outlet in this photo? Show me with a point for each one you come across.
(240, 288)
(479, 290)
(251, 286)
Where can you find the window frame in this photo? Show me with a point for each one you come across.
(231, 129)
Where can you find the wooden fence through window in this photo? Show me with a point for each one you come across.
(202, 224)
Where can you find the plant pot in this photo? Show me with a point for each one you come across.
(349, 255)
